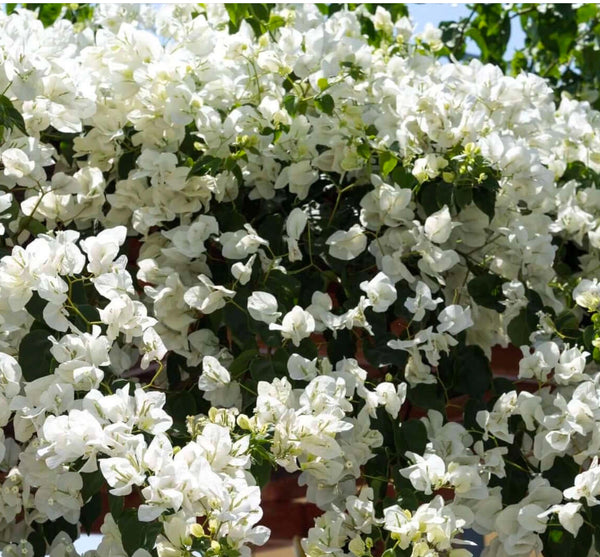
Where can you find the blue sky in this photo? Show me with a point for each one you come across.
(422, 14)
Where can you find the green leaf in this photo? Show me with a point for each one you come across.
(48, 13)
(236, 13)
(267, 369)
(275, 22)
(180, 405)
(342, 346)
(32, 225)
(387, 162)
(519, 330)
(443, 194)
(404, 178)
(90, 313)
(486, 291)
(261, 471)
(206, 164)
(411, 436)
(325, 103)
(284, 287)
(35, 307)
(588, 337)
(463, 196)
(364, 151)
(127, 162)
(485, 200)
(566, 322)
(115, 505)
(52, 528)
(92, 484)
(36, 539)
(90, 512)
(242, 362)
(10, 117)
(289, 103)
(426, 396)
(260, 11)
(472, 370)
(135, 534)
(34, 354)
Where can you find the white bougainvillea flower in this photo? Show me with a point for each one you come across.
(262, 306)
(102, 249)
(213, 376)
(296, 223)
(454, 319)
(243, 271)
(587, 294)
(240, 244)
(439, 225)
(207, 297)
(428, 167)
(421, 302)
(301, 368)
(347, 245)
(296, 325)
(153, 348)
(381, 292)
(124, 315)
(294, 226)
(16, 163)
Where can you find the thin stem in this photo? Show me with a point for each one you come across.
(158, 372)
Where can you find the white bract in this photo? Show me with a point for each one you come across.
(347, 245)
(262, 306)
(296, 325)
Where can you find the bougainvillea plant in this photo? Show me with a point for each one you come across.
(244, 238)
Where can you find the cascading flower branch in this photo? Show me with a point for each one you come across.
(241, 238)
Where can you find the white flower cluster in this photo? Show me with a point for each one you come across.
(236, 245)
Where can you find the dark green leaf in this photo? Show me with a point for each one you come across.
(463, 196)
(136, 534)
(404, 178)
(519, 330)
(364, 151)
(242, 362)
(36, 539)
(426, 396)
(115, 505)
(485, 200)
(92, 484)
(52, 528)
(411, 436)
(268, 368)
(126, 164)
(32, 225)
(10, 117)
(180, 405)
(261, 471)
(206, 164)
(325, 103)
(443, 194)
(34, 354)
(90, 512)
(35, 307)
(472, 370)
(486, 291)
